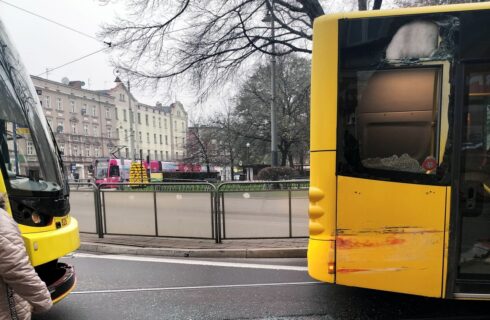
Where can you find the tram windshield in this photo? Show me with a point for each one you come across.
(29, 159)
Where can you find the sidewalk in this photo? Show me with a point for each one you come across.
(199, 248)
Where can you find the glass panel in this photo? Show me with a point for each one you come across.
(299, 211)
(256, 214)
(82, 207)
(129, 213)
(475, 183)
(22, 124)
(386, 126)
(184, 215)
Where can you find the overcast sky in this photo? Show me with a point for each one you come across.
(44, 45)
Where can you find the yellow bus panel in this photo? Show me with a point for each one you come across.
(322, 224)
(323, 134)
(47, 246)
(390, 236)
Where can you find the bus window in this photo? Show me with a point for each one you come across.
(388, 127)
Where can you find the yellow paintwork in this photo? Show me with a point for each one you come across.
(52, 245)
(397, 12)
(322, 216)
(323, 135)
(390, 236)
(446, 242)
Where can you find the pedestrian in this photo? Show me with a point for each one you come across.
(21, 289)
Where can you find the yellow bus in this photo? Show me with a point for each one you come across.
(400, 151)
(32, 175)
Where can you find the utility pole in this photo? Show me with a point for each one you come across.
(274, 154)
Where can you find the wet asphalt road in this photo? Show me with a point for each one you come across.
(159, 288)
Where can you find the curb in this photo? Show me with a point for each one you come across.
(195, 253)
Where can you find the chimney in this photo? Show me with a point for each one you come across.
(76, 84)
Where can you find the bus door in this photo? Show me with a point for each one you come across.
(391, 208)
(473, 263)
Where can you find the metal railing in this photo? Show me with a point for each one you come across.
(230, 210)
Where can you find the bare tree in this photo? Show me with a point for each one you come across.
(253, 108)
(202, 144)
(208, 41)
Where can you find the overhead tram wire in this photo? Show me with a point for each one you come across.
(109, 44)
(73, 61)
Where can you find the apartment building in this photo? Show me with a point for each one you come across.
(83, 122)
(144, 131)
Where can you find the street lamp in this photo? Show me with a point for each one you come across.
(270, 17)
(131, 133)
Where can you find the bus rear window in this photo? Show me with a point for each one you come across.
(389, 119)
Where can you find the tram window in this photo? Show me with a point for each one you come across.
(385, 125)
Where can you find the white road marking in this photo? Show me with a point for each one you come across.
(199, 287)
(191, 262)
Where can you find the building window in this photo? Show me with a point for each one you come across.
(122, 97)
(30, 148)
(154, 122)
(96, 131)
(139, 118)
(108, 114)
(176, 155)
(166, 140)
(73, 128)
(178, 113)
(117, 133)
(154, 138)
(183, 126)
(75, 151)
(161, 155)
(85, 129)
(94, 111)
(175, 125)
(47, 101)
(87, 151)
(61, 127)
(116, 113)
(72, 106)
(125, 115)
(59, 105)
(109, 132)
(183, 142)
(141, 137)
(161, 142)
(147, 137)
(125, 135)
(146, 120)
(62, 148)
(97, 152)
(166, 155)
(165, 123)
(84, 109)
(159, 122)
(156, 155)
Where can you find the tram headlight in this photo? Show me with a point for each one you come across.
(36, 218)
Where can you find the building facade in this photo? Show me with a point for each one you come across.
(83, 122)
(90, 124)
(149, 132)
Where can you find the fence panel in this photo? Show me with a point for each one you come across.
(256, 214)
(128, 212)
(83, 207)
(299, 211)
(185, 214)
